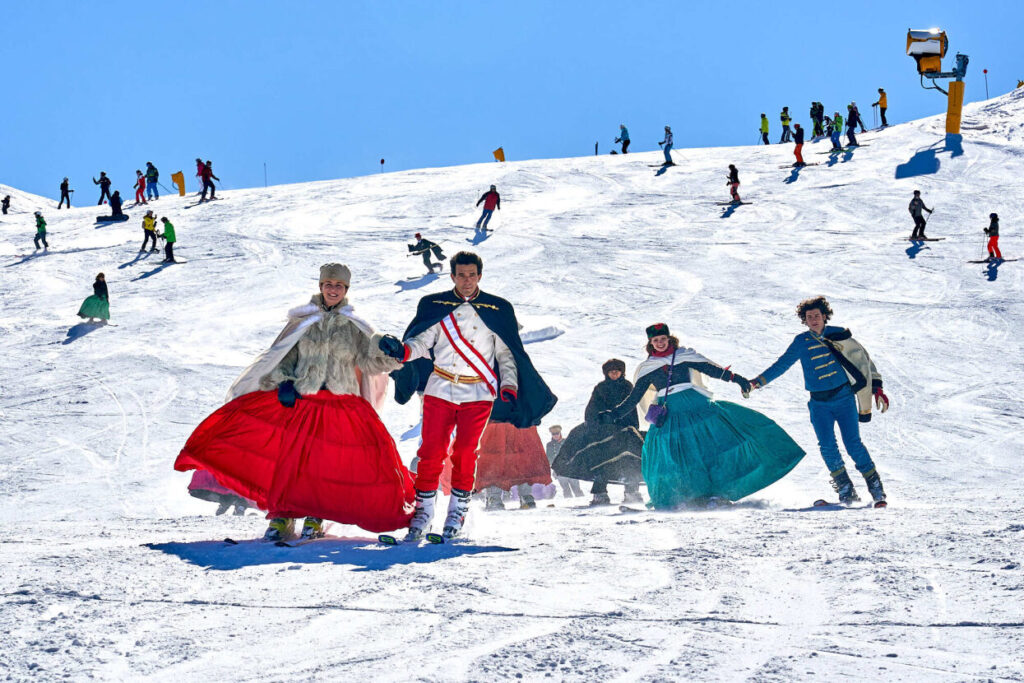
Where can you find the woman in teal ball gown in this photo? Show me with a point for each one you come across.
(698, 449)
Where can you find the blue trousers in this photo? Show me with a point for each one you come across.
(786, 135)
(835, 140)
(151, 190)
(841, 409)
(485, 218)
(668, 157)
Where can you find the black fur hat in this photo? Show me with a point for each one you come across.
(656, 330)
(613, 364)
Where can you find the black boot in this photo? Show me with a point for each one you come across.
(874, 483)
(843, 485)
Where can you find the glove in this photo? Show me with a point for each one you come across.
(286, 394)
(392, 346)
(508, 394)
(754, 384)
(881, 400)
(604, 417)
(745, 384)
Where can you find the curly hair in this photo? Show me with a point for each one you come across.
(673, 343)
(818, 302)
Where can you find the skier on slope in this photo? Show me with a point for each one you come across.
(666, 146)
(915, 208)
(785, 118)
(837, 130)
(104, 183)
(65, 194)
(993, 238)
(860, 119)
(852, 119)
(605, 453)
(97, 305)
(491, 200)
(509, 457)
(882, 104)
(152, 180)
(148, 231)
(425, 248)
(40, 231)
(199, 173)
(570, 487)
(764, 130)
(697, 449)
(734, 183)
(169, 239)
(479, 367)
(6, 204)
(623, 137)
(140, 188)
(798, 141)
(817, 116)
(842, 380)
(300, 435)
(208, 179)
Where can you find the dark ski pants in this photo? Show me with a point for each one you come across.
(602, 487)
(427, 263)
(786, 135)
(625, 146)
(149, 235)
(841, 410)
(169, 252)
(882, 112)
(104, 194)
(851, 139)
(64, 196)
(919, 223)
(208, 184)
(41, 236)
(764, 138)
(485, 218)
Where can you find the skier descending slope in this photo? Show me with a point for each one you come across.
(478, 360)
(666, 146)
(798, 141)
(734, 183)
(40, 231)
(699, 450)
(842, 379)
(425, 248)
(300, 435)
(492, 201)
(915, 207)
(623, 138)
(993, 238)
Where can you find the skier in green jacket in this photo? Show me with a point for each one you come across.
(169, 236)
(40, 231)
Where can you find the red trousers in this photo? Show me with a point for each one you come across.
(799, 156)
(440, 417)
(993, 246)
(140, 196)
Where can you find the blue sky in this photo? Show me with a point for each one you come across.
(321, 90)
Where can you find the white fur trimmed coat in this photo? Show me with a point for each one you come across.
(319, 347)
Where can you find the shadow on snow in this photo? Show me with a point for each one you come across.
(80, 330)
(925, 161)
(425, 279)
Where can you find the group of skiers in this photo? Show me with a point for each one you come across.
(147, 185)
(823, 125)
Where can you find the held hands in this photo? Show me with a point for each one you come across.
(287, 394)
(508, 394)
(392, 346)
(746, 386)
(881, 400)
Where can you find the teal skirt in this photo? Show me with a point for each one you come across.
(711, 448)
(95, 307)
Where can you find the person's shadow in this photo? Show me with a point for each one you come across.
(847, 155)
(794, 176)
(730, 210)
(363, 554)
(915, 248)
(661, 171)
(992, 270)
(416, 283)
(926, 162)
(80, 330)
(478, 237)
(151, 273)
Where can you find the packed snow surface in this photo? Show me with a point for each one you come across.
(111, 570)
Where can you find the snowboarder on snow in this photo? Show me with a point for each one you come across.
(5, 204)
(104, 183)
(97, 305)
(915, 208)
(479, 366)
(208, 179)
(764, 130)
(570, 487)
(148, 231)
(785, 118)
(623, 137)
(140, 188)
(115, 205)
(425, 248)
(65, 194)
(317, 448)
(666, 146)
(993, 238)
(798, 139)
(882, 104)
(152, 178)
(842, 379)
(492, 201)
(40, 231)
(170, 238)
(734, 182)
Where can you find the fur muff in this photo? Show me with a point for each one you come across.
(328, 355)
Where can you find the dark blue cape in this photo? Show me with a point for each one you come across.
(535, 399)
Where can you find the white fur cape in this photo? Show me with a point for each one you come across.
(696, 379)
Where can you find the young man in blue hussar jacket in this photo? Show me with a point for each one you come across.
(842, 379)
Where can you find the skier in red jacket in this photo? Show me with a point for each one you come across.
(492, 201)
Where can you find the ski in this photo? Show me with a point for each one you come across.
(661, 165)
(925, 239)
(625, 509)
(999, 260)
(436, 539)
(732, 203)
(388, 539)
(795, 166)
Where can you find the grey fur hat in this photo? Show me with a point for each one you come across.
(335, 271)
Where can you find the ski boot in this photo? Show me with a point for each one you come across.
(632, 495)
(874, 483)
(280, 529)
(422, 517)
(600, 499)
(844, 487)
(527, 502)
(458, 506)
(222, 507)
(239, 510)
(494, 503)
(312, 528)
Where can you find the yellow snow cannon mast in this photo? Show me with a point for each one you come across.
(928, 47)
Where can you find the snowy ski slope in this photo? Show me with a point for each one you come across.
(110, 570)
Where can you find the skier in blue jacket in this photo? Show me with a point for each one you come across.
(666, 146)
(623, 137)
(841, 379)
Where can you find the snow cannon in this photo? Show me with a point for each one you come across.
(928, 47)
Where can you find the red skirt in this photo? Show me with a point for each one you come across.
(329, 457)
(508, 456)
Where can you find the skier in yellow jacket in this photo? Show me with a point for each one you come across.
(882, 104)
(148, 231)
